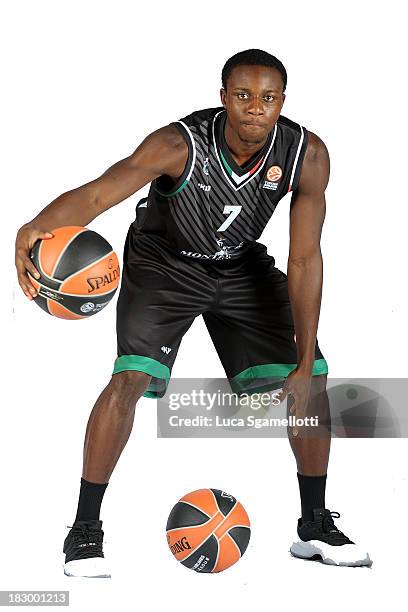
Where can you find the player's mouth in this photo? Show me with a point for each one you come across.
(253, 125)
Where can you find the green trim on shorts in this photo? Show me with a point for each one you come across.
(260, 373)
(149, 366)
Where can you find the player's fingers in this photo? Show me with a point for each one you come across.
(283, 393)
(26, 264)
(23, 264)
(41, 235)
(26, 287)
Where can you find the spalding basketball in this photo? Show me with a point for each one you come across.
(79, 272)
(208, 530)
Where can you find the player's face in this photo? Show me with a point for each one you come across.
(253, 100)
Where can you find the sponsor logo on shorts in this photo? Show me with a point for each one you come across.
(223, 253)
(166, 349)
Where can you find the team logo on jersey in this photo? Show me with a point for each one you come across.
(273, 176)
(205, 166)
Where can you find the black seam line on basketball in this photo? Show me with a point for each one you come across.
(207, 537)
(182, 501)
(88, 266)
(78, 295)
(215, 499)
(194, 239)
(232, 540)
(192, 526)
(65, 308)
(229, 512)
(85, 229)
(217, 541)
(40, 269)
(237, 222)
(59, 280)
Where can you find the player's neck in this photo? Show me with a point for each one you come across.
(239, 149)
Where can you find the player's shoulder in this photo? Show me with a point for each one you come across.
(316, 148)
(289, 125)
(315, 145)
(201, 116)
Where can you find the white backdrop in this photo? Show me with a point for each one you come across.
(83, 84)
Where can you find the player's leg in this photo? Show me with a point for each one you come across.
(110, 424)
(158, 301)
(107, 432)
(311, 447)
(253, 332)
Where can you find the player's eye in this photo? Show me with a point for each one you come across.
(270, 98)
(241, 95)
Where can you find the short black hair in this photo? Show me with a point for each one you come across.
(253, 57)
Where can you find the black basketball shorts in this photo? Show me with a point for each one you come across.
(244, 304)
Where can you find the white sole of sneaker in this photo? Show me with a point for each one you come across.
(87, 568)
(347, 555)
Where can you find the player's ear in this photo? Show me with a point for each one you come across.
(223, 94)
(283, 98)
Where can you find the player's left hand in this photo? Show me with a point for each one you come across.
(297, 385)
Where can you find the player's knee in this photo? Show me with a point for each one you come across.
(130, 383)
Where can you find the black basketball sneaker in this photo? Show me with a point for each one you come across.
(320, 540)
(83, 551)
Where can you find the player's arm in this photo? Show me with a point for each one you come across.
(163, 152)
(305, 264)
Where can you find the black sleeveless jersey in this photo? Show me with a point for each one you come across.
(217, 208)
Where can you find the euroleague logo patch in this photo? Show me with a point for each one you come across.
(273, 176)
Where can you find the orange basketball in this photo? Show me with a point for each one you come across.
(208, 530)
(79, 272)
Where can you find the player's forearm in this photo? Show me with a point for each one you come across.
(305, 279)
(75, 207)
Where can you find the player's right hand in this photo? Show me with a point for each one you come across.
(27, 236)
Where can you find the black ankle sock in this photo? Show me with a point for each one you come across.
(90, 500)
(312, 494)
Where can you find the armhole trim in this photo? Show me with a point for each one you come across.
(185, 177)
(296, 170)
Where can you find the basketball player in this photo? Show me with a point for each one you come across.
(216, 178)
